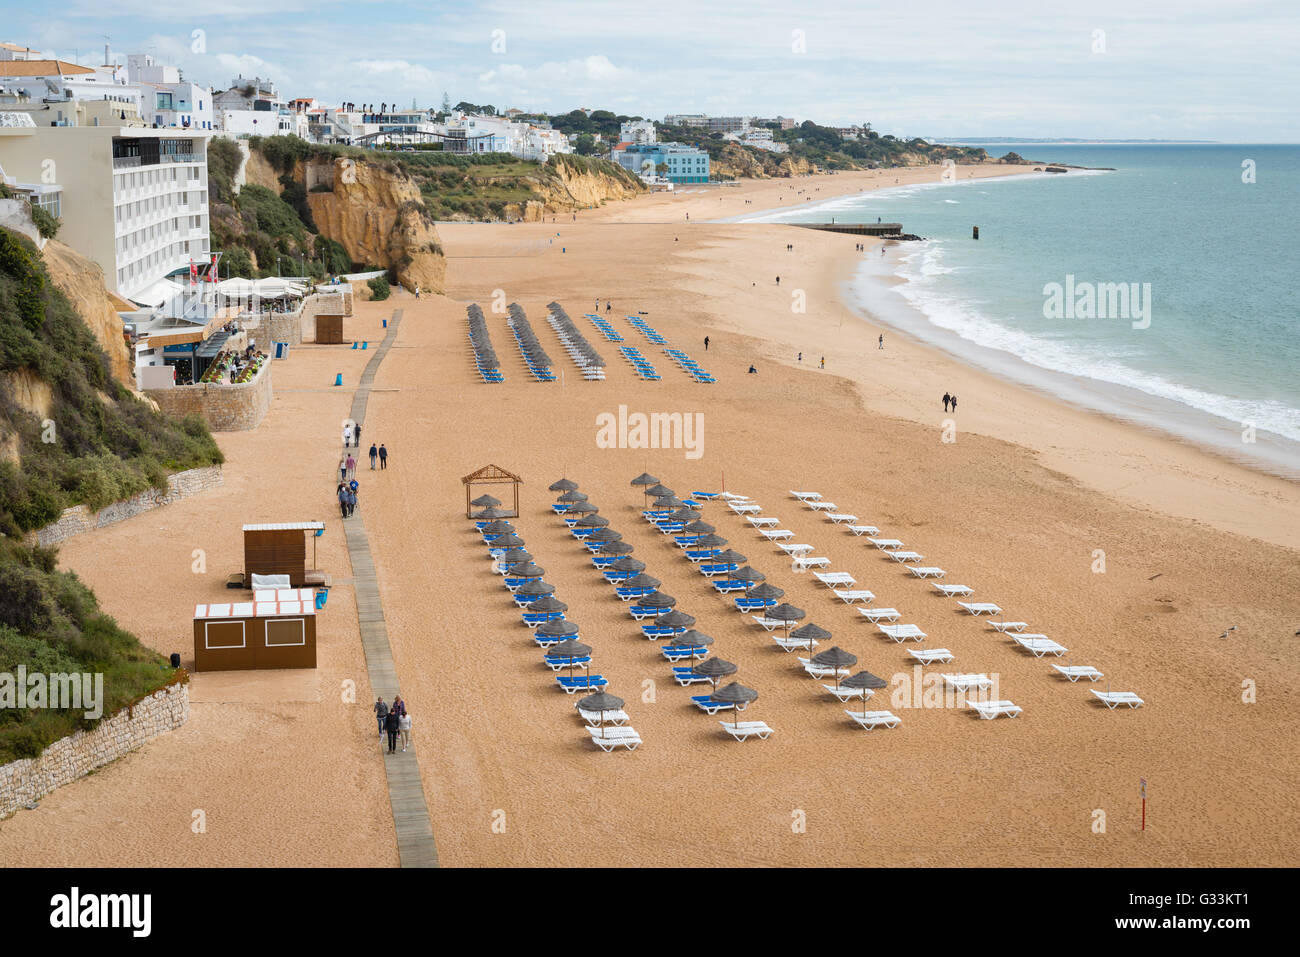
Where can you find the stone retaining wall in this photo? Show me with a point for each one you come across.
(73, 757)
(225, 407)
(79, 519)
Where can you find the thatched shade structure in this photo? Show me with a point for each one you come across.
(836, 658)
(563, 485)
(735, 694)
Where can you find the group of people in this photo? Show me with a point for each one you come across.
(949, 400)
(347, 495)
(348, 485)
(393, 721)
(608, 305)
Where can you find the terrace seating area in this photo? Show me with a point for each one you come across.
(647, 330)
(485, 357)
(535, 357)
(587, 359)
(689, 365)
(639, 363)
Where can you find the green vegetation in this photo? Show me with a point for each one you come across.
(98, 443)
(46, 224)
(379, 288)
(50, 622)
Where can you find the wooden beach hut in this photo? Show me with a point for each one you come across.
(329, 330)
(280, 548)
(491, 475)
(277, 629)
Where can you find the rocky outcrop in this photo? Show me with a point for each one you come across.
(82, 281)
(738, 162)
(375, 211)
(574, 184)
(259, 172)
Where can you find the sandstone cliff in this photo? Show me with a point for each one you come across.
(82, 281)
(376, 213)
(736, 162)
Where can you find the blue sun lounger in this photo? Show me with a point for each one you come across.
(726, 586)
(700, 554)
(661, 631)
(706, 703)
(709, 569)
(627, 594)
(534, 618)
(601, 561)
(677, 654)
(685, 676)
(580, 683)
(558, 662)
(639, 612)
(614, 577)
(754, 604)
(685, 541)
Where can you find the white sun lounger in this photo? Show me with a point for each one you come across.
(1008, 626)
(1039, 645)
(966, 682)
(776, 534)
(902, 633)
(609, 742)
(804, 562)
(952, 591)
(817, 671)
(978, 608)
(806, 496)
(794, 644)
(929, 656)
(848, 694)
(875, 719)
(863, 529)
(992, 709)
(927, 571)
(762, 522)
(842, 518)
(831, 579)
(768, 624)
(610, 717)
(851, 595)
(822, 506)
(886, 542)
(875, 615)
(733, 497)
(746, 508)
(1075, 672)
(1113, 699)
(899, 555)
(794, 549)
(745, 730)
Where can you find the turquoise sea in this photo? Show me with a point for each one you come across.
(1217, 357)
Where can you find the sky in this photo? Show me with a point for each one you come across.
(1139, 69)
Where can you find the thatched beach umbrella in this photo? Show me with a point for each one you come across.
(617, 548)
(499, 527)
(604, 535)
(570, 648)
(601, 701)
(548, 605)
(563, 485)
(746, 574)
(710, 541)
(810, 633)
(836, 658)
(641, 581)
(557, 628)
(527, 570)
(766, 591)
(675, 619)
(515, 555)
(735, 694)
(659, 490)
(715, 669)
(690, 638)
(698, 527)
(628, 564)
(489, 513)
(864, 681)
(570, 498)
(483, 501)
(581, 508)
(683, 515)
(728, 557)
(656, 599)
(508, 540)
(593, 521)
(534, 589)
(644, 480)
(787, 614)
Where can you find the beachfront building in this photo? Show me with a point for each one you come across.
(713, 124)
(758, 137)
(168, 99)
(638, 132)
(253, 107)
(134, 199)
(681, 163)
(59, 93)
(780, 122)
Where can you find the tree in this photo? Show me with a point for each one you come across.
(586, 145)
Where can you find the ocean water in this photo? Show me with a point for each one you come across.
(1218, 362)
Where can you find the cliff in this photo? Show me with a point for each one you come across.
(82, 281)
(736, 162)
(375, 211)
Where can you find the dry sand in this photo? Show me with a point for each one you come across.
(1015, 508)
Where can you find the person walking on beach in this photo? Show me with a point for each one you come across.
(398, 706)
(343, 500)
(608, 306)
(356, 436)
(347, 435)
(392, 724)
(881, 342)
(706, 343)
(343, 469)
(801, 357)
(374, 454)
(946, 399)
(381, 712)
(352, 502)
(404, 724)
(823, 362)
(352, 465)
(383, 457)
(954, 403)
(778, 280)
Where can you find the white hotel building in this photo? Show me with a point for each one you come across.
(134, 199)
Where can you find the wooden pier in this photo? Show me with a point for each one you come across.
(857, 229)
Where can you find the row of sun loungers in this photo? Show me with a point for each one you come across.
(535, 357)
(586, 358)
(640, 363)
(485, 357)
(647, 330)
(689, 365)
(605, 328)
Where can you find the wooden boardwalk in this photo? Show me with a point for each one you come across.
(415, 843)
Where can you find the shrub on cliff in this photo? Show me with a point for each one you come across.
(379, 288)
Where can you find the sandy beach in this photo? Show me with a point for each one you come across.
(1018, 507)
